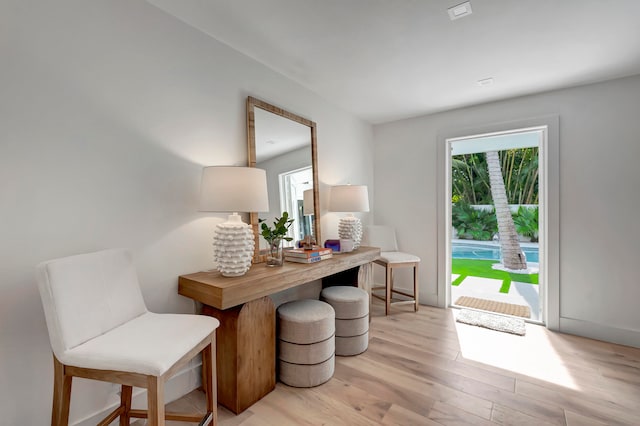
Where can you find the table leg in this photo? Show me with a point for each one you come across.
(245, 352)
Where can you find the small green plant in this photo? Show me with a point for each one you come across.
(478, 224)
(279, 231)
(526, 222)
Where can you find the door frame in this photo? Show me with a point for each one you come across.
(549, 210)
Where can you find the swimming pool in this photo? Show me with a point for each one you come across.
(464, 250)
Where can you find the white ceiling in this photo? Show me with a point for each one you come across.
(276, 135)
(389, 59)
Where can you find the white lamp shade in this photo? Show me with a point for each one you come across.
(349, 198)
(233, 189)
(307, 202)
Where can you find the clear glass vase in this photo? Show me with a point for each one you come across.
(275, 255)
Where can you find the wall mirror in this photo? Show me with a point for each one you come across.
(284, 144)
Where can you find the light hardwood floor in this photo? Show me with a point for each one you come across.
(425, 369)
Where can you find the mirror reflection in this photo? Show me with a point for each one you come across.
(283, 149)
(283, 144)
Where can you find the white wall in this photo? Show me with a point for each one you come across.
(108, 111)
(599, 147)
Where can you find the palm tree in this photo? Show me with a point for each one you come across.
(512, 255)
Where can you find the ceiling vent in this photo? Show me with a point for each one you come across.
(460, 11)
(485, 82)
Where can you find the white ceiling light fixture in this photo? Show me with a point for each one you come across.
(460, 11)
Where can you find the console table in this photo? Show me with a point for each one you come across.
(246, 338)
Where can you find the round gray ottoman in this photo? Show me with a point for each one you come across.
(351, 305)
(306, 343)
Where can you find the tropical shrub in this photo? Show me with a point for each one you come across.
(475, 224)
(526, 222)
(470, 180)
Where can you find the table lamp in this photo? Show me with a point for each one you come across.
(349, 198)
(307, 202)
(307, 211)
(233, 189)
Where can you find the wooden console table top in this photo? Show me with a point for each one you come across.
(211, 288)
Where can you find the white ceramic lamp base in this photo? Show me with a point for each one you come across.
(350, 227)
(233, 246)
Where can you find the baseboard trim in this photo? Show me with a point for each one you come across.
(186, 380)
(602, 332)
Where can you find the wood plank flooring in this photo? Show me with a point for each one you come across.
(425, 369)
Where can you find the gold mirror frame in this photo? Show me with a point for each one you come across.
(253, 103)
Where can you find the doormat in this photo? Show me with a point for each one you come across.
(492, 306)
(492, 321)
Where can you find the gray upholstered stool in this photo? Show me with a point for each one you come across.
(306, 344)
(352, 318)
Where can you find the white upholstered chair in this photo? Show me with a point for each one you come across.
(390, 258)
(100, 329)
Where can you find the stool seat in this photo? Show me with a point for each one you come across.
(398, 257)
(348, 302)
(305, 321)
(306, 343)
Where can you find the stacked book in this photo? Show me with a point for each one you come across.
(308, 256)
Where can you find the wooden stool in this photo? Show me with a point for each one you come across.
(351, 305)
(306, 343)
(391, 258)
(390, 261)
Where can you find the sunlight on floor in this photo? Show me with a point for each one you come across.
(520, 354)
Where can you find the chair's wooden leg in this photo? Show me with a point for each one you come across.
(415, 287)
(209, 378)
(388, 277)
(125, 402)
(203, 373)
(61, 395)
(155, 401)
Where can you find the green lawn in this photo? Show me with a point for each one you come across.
(482, 268)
